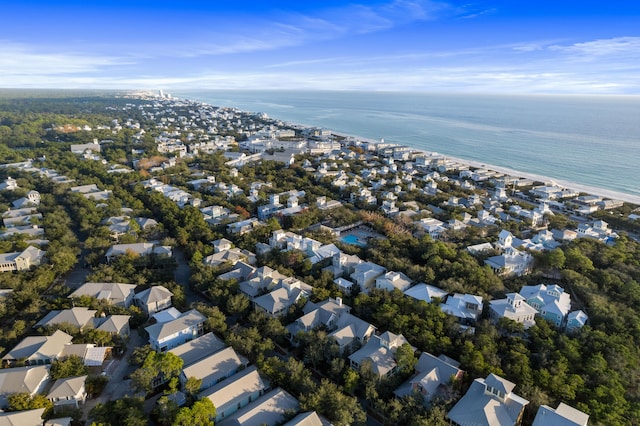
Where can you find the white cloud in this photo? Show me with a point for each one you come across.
(17, 59)
(595, 49)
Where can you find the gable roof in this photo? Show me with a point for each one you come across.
(269, 409)
(213, 368)
(22, 418)
(564, 415)
(236, 388)
(39, 346)
(78, 316)
(188, 319)
(114, 323)
(153, 294)
(198, 348)
(23, 379)
(114, 292)
(67, 387)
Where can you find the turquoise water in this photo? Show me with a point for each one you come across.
(590, 140)
(351, 239)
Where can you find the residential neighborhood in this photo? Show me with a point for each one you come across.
(178, 259)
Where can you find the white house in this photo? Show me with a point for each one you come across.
(170, 334)
(68, 392)
(236, 392)
(153, 299)
(489, 402)
(515, 308)
(564, 415)
(120, 294)
(433, 376)
(364, 274)
(511, 263)
(466, 307)
(380, 350)
(20, 261)
(393, 280)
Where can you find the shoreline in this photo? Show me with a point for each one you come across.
(592, 190)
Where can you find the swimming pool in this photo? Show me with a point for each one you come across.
(353, 240)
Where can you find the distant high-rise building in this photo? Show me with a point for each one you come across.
(161, 93)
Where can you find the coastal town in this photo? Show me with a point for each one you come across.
(169, 262)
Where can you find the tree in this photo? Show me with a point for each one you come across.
(127, 411)
(330, 402)
(165, 411)
(139, 354)
(405, 358)
(69, 367)
(237, 304)
(157, 368)
(200, 413)
(556, 258)
(192, 386)
(23, 401)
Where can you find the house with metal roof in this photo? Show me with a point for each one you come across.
(34, 350)
(236, 392)
(489, 402)
(120, 294)
(153, 299)
(564, 415)
(30, 380)
(170, 334)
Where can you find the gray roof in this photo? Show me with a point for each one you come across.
(278, 299)
(349, 327)
(23, 379)
(381, 351)
(236, 388)
(310, 418)
(217, 366)
(153, 294)
(78, 316)
(198, 348)
(267, 410)
(479, 408)
(425, 292)
(39, 346)
(67, 387)
(114, 323)
(564, 415)
(116, 293)
(187, 319)
(22, 418)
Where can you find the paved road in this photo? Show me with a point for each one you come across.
(182, 274)
(117, 369)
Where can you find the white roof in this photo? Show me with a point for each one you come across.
(564, 415)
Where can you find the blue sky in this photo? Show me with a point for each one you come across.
(485, 46)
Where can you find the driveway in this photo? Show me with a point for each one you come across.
(116, 370)
(182, 274)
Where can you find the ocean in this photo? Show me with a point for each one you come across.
(593, 141)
